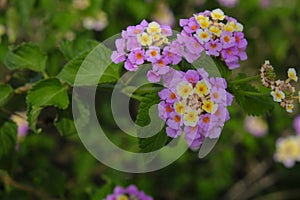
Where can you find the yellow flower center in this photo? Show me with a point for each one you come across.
(184, 89)
(122, 197)
(209, 106)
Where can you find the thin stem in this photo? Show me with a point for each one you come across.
(45, 75)
(8, 181)
(245, 80)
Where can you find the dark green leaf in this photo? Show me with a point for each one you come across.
(26, 56)
(157, 141)
(5, 93)
(253, 101)
(103, 191)
(48, 92)
(8, 137)
(65, 123)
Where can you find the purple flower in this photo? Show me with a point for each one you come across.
(130, 66)
(297, 124)
(213, 48)
(131, 192)
(166, 30)
(205, 123)
(136, 56)
(170, 53)
(132, 44)
(227, 40)
(161, 67)
(153, 54)
(167, 95)
(173, 133)
(240, 40)
(20, 119)
(175, 121)
(242, 54)
(153, 77)
(228, 3)
(191, 26)
(256, 126)
(192, 76)
(218, 95)
(215, 132)
(218, 82)
(193, 138)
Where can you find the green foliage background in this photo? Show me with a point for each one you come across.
(46, 39)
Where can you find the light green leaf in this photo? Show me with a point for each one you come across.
(8, 137)
(68, 73)
(33, 113)
(26, 56)
(25, 7)
(48, 92)
(72, 49)
(5, 93)
(91, 65)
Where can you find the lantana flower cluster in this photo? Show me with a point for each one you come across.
(146, 43)
(288, 148)
(216, 34)
(195, 104)
(282, 91)
(192, 102)
(129, 193)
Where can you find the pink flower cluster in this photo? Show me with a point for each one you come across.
(195, 104)
(216, 34)
(146, 43)
(129, 193)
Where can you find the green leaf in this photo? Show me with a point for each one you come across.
(5, 93)
(68, 73)
(91, 65)
(25, 7)
(154, 143)
(253, 101)
(223, 68)
(142, 117)
(72, 49)
(33, 113)
(8, 137)
(65, 123)
(157, 141)
(103, 191)
(48, 92)
(26, 56)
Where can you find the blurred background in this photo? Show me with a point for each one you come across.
(241, 166)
